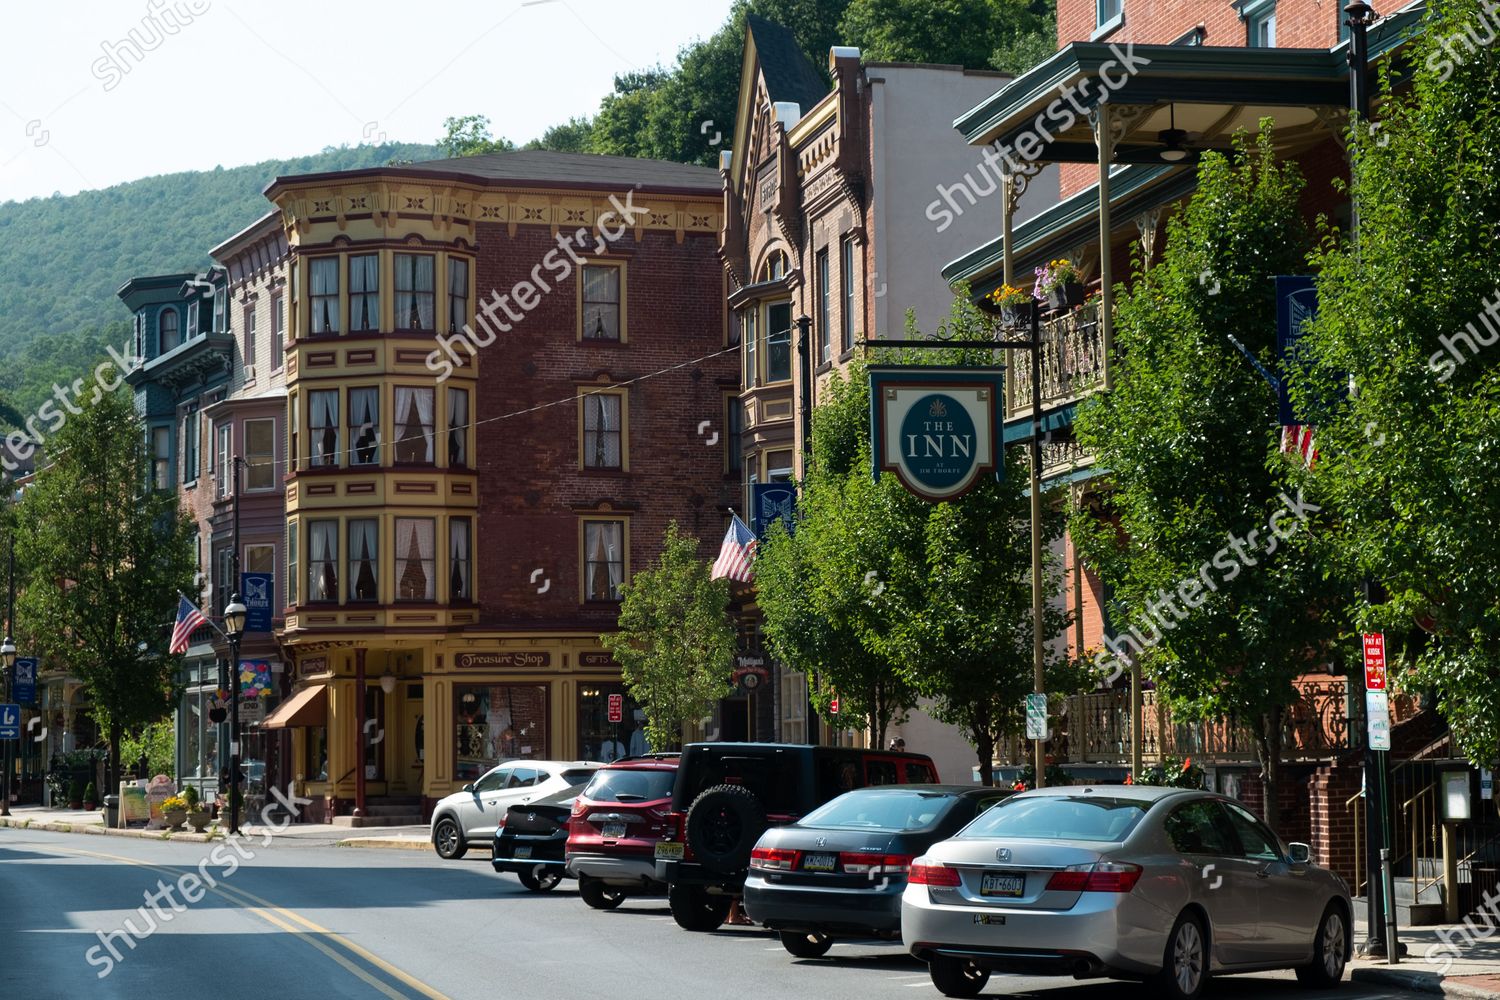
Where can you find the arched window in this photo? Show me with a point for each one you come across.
(168, 331)
(775, 267)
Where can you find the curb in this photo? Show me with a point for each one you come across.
(1421, 982)
(99, 830)
(386, 842)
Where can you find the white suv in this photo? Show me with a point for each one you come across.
(473, 813)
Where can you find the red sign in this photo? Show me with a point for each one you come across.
(1375, 661)
(833, 705)
(616, 708)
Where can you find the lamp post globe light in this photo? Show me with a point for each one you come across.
(234, 628)
(8, 655)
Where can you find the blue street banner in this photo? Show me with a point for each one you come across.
(938, 428)
(1296, 305)
(768, 501)
(10, 722)
(257, 590)
(23, 686)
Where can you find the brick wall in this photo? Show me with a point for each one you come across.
(531, 490)
(1300, 24)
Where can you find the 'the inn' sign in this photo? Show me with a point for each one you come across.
(937, 428)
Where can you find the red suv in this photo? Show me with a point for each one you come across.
(616, 823)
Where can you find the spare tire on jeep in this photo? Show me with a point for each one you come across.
(723, 824)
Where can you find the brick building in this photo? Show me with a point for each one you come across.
(498, 369)
(838, 199)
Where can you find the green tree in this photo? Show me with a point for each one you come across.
(675, 643)
(103, 558)
(960, 32)
(1188, 436)
(469, 135)
(1409, 315)
(572, 136)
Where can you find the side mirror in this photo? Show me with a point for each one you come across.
(1300, 853)
(469, 787)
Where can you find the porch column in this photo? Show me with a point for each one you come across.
(1007, 205)
(1106, 144)
(359, 734)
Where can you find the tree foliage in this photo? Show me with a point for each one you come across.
(1189, 435)
(675, 642)
(103, 558)
(889, 598)
(469, 135)
(1010, 35)
(1409, 315)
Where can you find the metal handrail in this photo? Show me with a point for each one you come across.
(1358, 815)
(1417, 825)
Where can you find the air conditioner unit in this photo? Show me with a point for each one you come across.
(249, 373)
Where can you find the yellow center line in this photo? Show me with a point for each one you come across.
(271, 913)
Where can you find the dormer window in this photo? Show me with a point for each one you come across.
(193, 326)
(169, 333)
(776, 267)
(221, 309)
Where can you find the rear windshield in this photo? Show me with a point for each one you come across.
(630, 785)
(578, 775)
(884, 810)
(1060, 817)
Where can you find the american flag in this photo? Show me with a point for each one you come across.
(737, 552)
(1297, 439)
(188, 618)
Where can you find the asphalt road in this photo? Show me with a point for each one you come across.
(321, 923)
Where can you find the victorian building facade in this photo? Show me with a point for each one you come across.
(499, 372)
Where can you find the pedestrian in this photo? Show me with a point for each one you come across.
(898, 745)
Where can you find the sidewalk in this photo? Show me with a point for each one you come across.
(1469, 970)
(297, 834)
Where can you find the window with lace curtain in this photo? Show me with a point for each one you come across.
(603, 559)
(460, 560)
(323, 561)
(364, 293)
(323, 427)
(364, 559)
(364, 426)
(260, 454)
(414, 427)
(458, 294)
(323, 295)
(168, 330)
(603, 430)
(415, 551)
(600, 312)
(415, 295)
(458, 428)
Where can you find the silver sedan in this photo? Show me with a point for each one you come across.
(1131, 882)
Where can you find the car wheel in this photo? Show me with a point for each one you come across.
(448, 839)
(723, 824)
(806, 944)
(695, 910)
(598, 895)
(1330, 951)
(540, 879)
(1184, 969)
(957, 977)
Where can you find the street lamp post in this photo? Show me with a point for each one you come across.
(234, 627)
(8, 654)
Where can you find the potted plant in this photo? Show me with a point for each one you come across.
(1060, 284)
(91, 797)
(1015, 304)
(75, 794)
(174, 812)
(197, 815)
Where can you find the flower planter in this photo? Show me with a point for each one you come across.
(1065, 296)
(174, 818)
(1017, 315)
(198, 820)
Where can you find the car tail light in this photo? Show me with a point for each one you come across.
(672, 826)
(1103, 876)
(578, 807)
(501, 825)
(933, 874)
(773, 859)
(875, 864)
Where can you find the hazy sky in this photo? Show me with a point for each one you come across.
(230, 82)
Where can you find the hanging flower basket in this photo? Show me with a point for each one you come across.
(1058, 284)
(1065, 296)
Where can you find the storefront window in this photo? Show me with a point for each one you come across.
(315, 759)
(602, 740)
(192, 730)
(496, 722)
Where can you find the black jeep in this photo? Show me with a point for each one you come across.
(728, 794)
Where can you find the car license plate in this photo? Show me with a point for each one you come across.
(1002, 885)
(669, 851)
(614, 831)
(523, 852)
(819, 862)
(990, 919)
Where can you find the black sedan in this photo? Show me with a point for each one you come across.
(840, 870)
(532, 840)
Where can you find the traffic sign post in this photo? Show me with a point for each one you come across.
(10, 722)
(1036, 717)
(1377, 741)
(616, 708)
